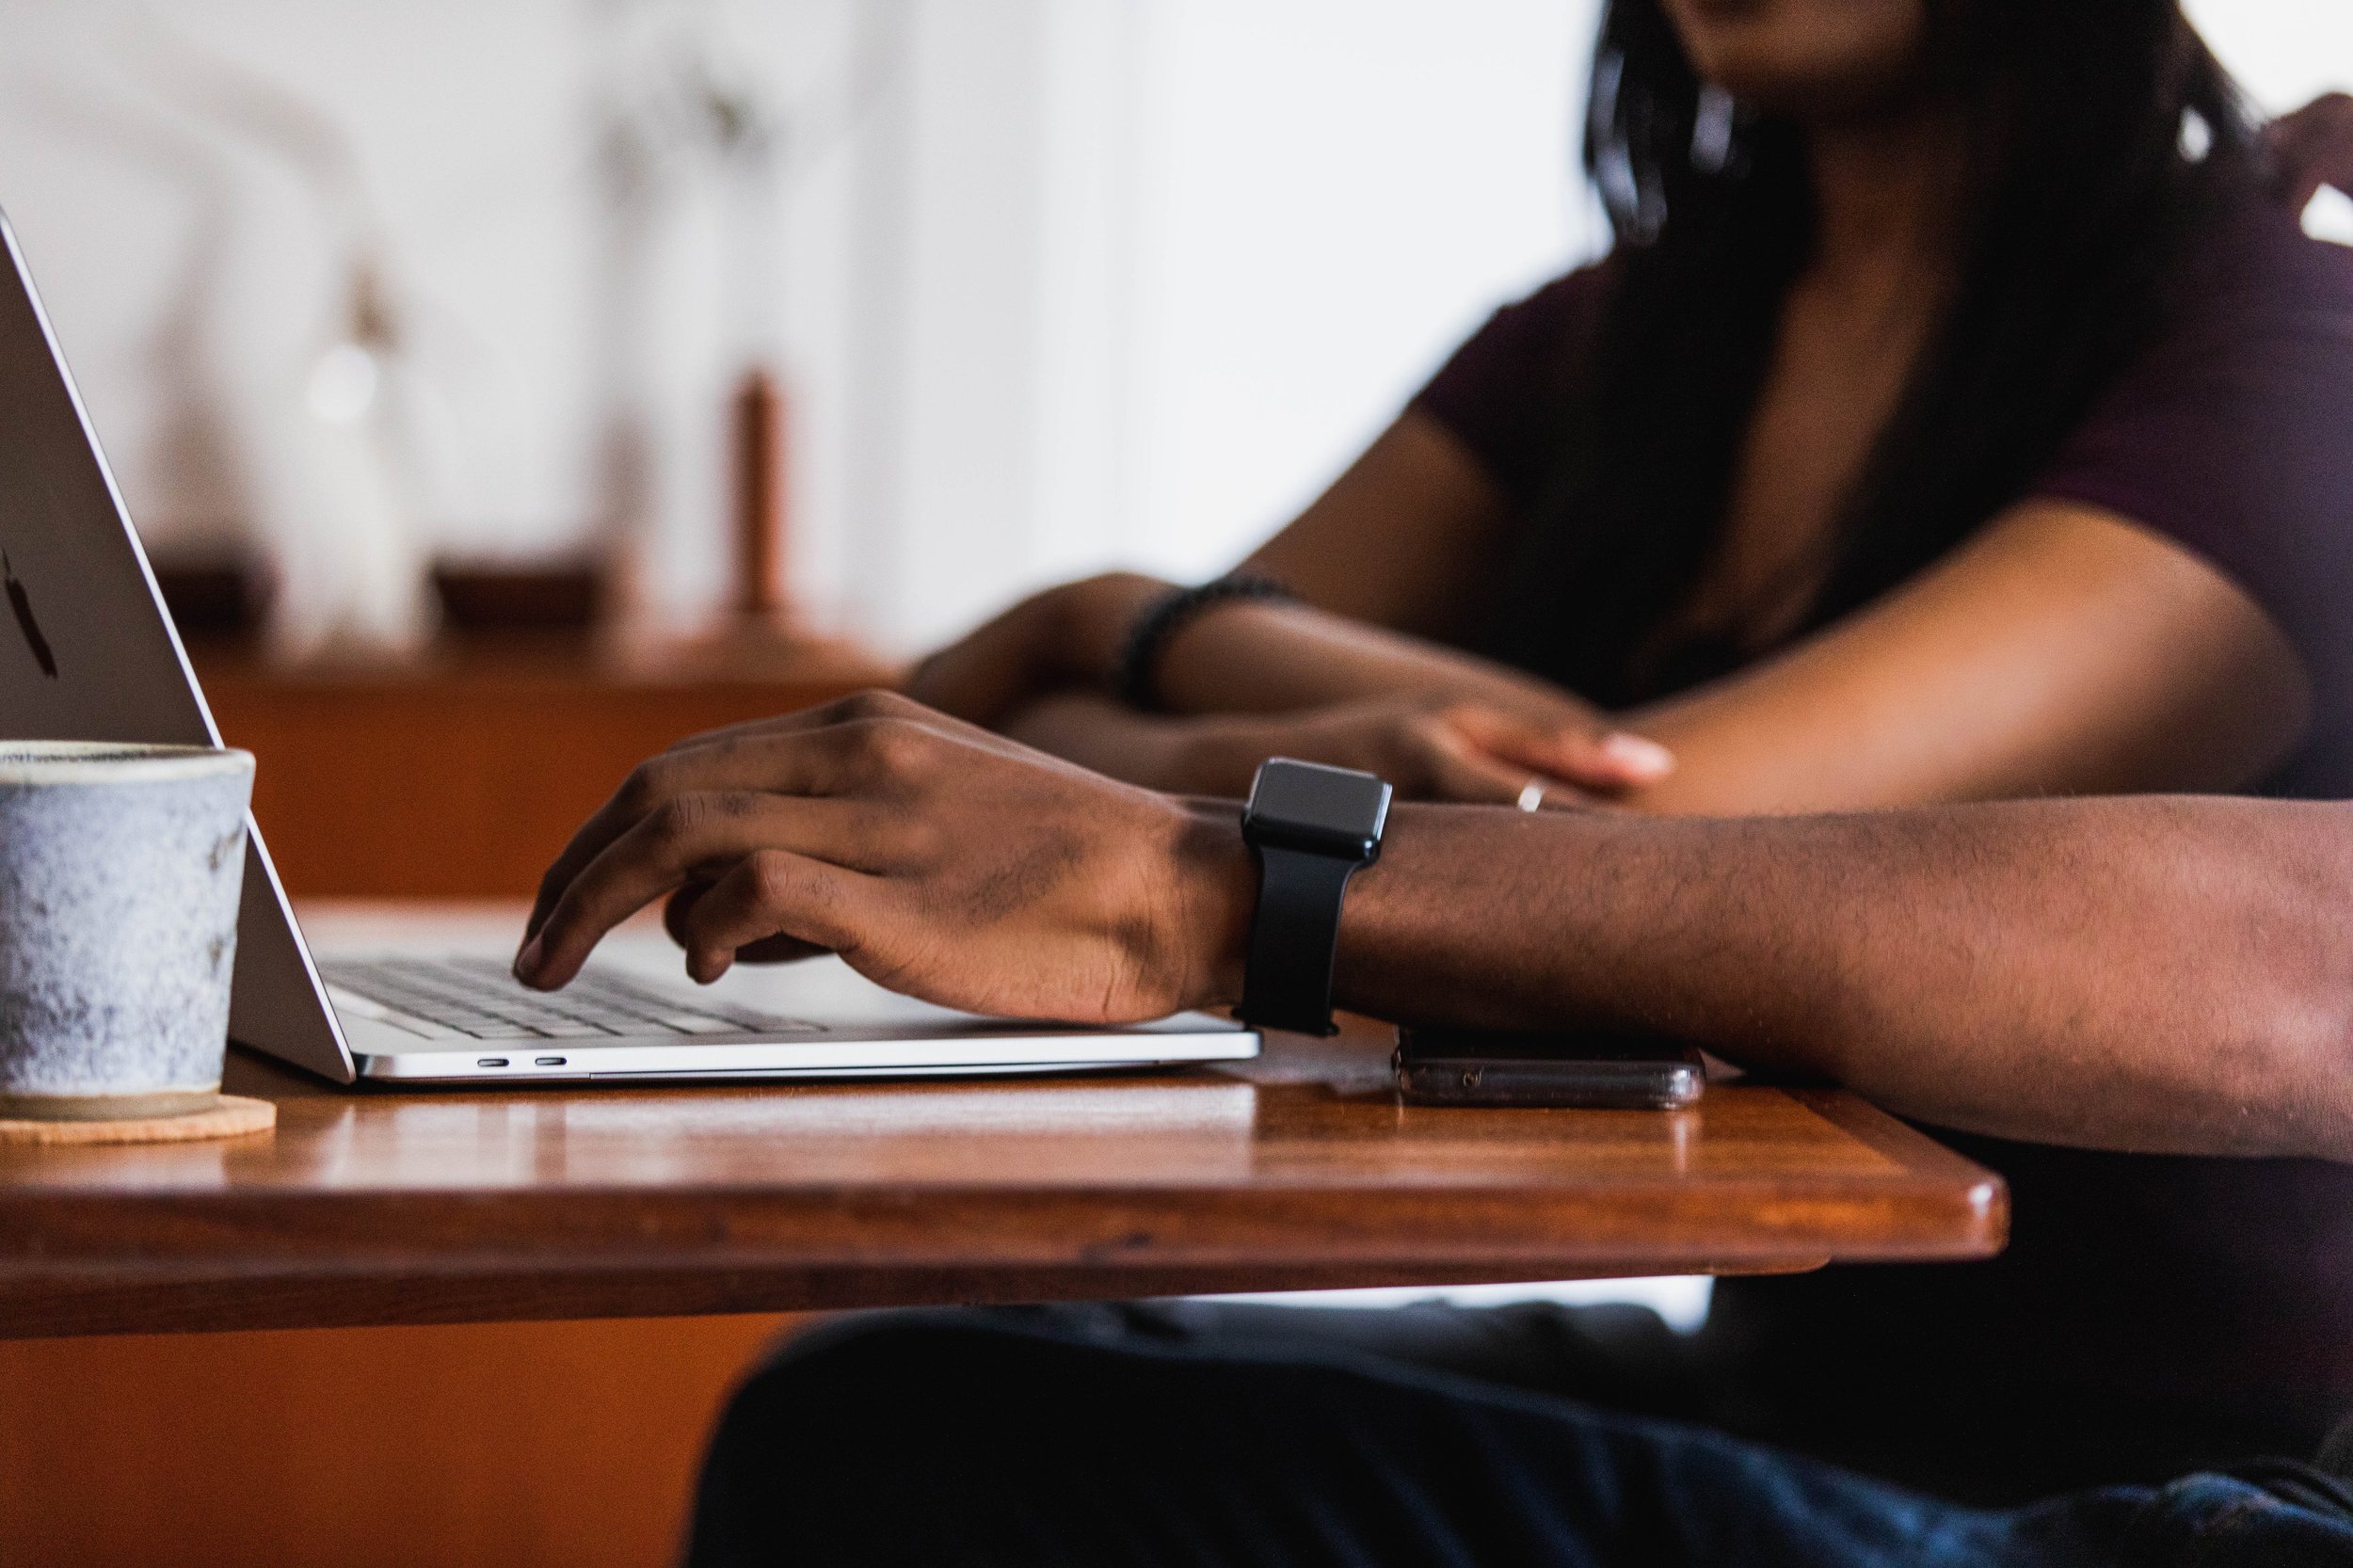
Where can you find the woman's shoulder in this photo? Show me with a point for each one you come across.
(1501, 391)
(2254, 267)
(1551, 322)
(2249, 379)
(1565, 301)
(2228, 435)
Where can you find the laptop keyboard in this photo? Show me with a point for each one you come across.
(476, 999)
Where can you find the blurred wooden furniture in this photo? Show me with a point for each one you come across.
(1297, 1171)
(461, 776)
(480, 1445)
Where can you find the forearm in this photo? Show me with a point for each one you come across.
(1262, 658)
(1207, 755)
(1251, 656)
(2162, 973)
(1096, 731)
(1406, 538)
(2062, 651)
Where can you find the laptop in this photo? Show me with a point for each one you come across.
(89, 652)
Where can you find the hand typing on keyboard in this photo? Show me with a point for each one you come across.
(937, 859)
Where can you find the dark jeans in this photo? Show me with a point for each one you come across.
(1165, 1433)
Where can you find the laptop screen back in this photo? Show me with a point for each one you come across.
(88, 653)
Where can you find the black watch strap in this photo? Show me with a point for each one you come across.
(1293, 938)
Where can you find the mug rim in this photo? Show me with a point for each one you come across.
(34, 762)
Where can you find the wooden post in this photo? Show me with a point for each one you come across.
(760, 508)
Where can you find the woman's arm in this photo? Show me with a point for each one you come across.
(2150, 974)
(1403, 540)
(1408, 538)
(1428, 750)
(2062, 650)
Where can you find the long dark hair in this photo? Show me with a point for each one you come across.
(2102, 131)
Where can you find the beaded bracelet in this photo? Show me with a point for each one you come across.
(1136, 680)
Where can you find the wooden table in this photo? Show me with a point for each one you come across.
(1297, 1171)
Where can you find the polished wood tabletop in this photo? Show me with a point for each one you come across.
(1299, 1170)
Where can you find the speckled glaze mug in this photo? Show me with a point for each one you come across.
(120, 872)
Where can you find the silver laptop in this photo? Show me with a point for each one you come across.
(87, 652)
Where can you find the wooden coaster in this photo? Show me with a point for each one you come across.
(233, 1116)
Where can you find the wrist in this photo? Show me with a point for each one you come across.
(1218, 881)
(1090, 620)
(1206, 757)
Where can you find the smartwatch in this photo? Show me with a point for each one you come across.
(1311, 829)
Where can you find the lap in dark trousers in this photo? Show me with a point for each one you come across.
(1110, 1435)
(1618, 1354)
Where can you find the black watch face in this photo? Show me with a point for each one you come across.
(1332, 810)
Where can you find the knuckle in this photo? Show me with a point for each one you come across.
(892, 746)
(771, 877)
(674, 822)
(871, 703)
(923, 839)
(644, 788)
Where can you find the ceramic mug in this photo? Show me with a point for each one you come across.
(120, 868)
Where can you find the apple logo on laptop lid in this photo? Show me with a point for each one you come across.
(20, 603)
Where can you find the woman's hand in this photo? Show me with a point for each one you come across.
(1475, 752)
(2311, 148)
(937, 860)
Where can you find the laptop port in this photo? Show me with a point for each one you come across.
(547, 1061)
(491, 1061)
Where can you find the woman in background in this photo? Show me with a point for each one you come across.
(1960, 413)
(1956, 416)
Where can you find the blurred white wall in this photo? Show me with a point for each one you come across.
(1333, 192)
(1053, 283)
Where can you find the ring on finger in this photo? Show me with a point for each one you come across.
(1531, 795)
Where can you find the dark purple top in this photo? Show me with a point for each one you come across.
(2232, 435)
(2151, 1314)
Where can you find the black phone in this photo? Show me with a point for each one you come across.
(1603, 1069)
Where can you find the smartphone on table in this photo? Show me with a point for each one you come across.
(1589, 1068)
